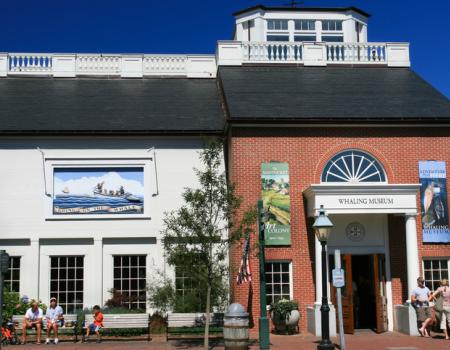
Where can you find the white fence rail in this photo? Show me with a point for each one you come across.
(115, 65)
(313, 53)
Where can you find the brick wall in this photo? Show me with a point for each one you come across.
(307, 150)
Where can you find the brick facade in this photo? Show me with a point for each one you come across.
(307, 149)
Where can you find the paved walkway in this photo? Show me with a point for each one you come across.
(359, 341)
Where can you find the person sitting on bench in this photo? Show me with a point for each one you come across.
(96, 325)
(33, 319)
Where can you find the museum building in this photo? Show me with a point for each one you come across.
(313, 114)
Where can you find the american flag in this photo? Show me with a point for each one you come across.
(245, 271)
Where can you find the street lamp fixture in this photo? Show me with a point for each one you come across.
(322, 227)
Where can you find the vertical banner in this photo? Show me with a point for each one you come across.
(276, 201)
(433, 200)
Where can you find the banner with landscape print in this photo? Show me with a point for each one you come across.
(276, 200)
(433, 200)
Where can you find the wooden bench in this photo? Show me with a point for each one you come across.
(180, 325)
(70, 322)
(122, 321)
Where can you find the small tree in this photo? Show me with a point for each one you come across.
(200, 233)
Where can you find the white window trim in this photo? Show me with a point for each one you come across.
(291, 278)
(435, 258)
(50, 164)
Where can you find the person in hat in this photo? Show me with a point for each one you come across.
(55, 319)
(33, 319)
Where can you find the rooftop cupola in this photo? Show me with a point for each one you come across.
(301, 24)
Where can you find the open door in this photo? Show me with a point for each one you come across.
(379, 274)
(347, 295)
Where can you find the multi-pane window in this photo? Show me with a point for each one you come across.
(187, 291)
(434, 271)
(304, 24)
(66, 282)
(277, 24)
(12, 277)
(130, 280)
(332, 25)
(278, 281)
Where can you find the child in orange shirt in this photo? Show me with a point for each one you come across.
(96, 325)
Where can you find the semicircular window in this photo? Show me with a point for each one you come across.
(353, 166)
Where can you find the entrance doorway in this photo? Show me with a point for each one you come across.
(364, 302)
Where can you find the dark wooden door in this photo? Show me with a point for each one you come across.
(379, 274)
(347, 295)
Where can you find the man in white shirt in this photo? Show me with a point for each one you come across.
(419, 300)
(33, 318)
(55, 319)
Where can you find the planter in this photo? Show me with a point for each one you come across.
(289, 325)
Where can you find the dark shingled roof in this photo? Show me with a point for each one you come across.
(302, 9)
(29, 105)
(308, 94)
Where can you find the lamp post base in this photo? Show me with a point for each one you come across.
(325, 345)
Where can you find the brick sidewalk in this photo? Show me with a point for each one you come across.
(358, 341)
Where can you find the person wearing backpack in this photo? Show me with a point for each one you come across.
(444, 292)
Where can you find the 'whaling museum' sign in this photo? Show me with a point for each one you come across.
(87, 191)
(433, 199)
(275, 196)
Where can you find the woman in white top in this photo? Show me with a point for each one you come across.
(444, 290)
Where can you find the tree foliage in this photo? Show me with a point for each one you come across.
(197, 237)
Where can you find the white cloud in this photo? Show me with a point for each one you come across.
(86, 185)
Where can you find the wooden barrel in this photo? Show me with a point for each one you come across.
(235, 333)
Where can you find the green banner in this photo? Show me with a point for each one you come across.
(275, 195)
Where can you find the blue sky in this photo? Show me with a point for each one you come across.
(136, 174)
(149, 26)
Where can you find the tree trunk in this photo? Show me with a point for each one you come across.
(208, 307)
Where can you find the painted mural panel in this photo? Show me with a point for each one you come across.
(434, 205)
(87, 191)
(276, 201)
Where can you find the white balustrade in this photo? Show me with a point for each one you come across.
(98, 64)
(165, 64)
(272, 51)
(356, 52)
(30, 63)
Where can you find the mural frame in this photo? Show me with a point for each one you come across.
(51, 165)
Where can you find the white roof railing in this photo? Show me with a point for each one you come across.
(109, 65)
(228, 53)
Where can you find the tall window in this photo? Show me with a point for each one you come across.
(130, 279)
(12, 277)
(278, 281)
(353, 166)
(305, 25)
(277, 24)
(435, 270)
(66, 282)
(187, 289)
(332, 25)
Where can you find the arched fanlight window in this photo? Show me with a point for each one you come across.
(353, 166)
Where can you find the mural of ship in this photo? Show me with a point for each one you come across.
(99, 191)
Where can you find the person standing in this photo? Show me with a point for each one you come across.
(55, 319)
(444, 291)
(419, 299)
(33, 319)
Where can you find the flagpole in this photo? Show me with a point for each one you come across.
(264, 341)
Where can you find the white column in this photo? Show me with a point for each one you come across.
(412, 252)
(318, 265)
(98, 275)
(35, 270)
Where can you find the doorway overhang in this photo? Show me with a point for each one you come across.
(362, 198)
